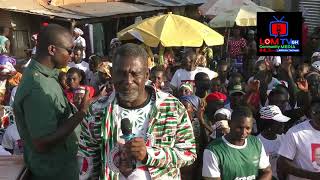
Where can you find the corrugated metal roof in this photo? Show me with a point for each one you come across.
(311, 13)
(108, 9)
(75, 11)
(167, 3)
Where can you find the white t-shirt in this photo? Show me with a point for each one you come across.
(80, 41)
(272, 147)
(211, 163)
(139, 120)
(300, 144)
(183, 76)
(12, 140)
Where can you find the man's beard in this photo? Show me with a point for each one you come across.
(128, 97)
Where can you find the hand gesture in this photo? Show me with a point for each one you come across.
(200, 113)
(303, 85)
(254, 85)
(85, 102)
(103, 92)
(137, 149)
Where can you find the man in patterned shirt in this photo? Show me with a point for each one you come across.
(163, 136)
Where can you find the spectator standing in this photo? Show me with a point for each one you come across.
(299, 148)
(237, 155)
(43, 116)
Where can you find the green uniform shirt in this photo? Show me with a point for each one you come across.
(238, 163)
(40, 108)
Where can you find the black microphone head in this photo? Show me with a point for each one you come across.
(126, 127)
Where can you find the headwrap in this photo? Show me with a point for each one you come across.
(216, 96)
(225, 112)
(114, 43)
(78, 30)
(105, 69)
(7, 65)
(187, 86)
(193, 100)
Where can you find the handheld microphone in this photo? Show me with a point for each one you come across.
(126, 128)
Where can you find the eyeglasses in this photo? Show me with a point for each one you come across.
(69, 50)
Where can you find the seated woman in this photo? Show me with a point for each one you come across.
(75, 82)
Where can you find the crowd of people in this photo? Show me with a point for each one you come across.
(125, 116)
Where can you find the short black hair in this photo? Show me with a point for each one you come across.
(80, 73)
(200, 76)
(95, 59)
(158, 68)
(131, 50)
(275, 92)
(50, 35)
(190, 52)
(241, 112)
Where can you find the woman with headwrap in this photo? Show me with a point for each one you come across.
(79, 41)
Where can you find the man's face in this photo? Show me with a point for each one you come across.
(77, 56)
(241, 128)
(280, 100)
(63, 51)
(317, 155)
(129, 76)
(157, 78)
(189, 63)
(223, 71)
(215, 85)
(73, 80)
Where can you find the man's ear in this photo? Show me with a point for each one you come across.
(51, 50)
(147, 74)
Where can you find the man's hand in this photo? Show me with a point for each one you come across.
(137, 149)
(303, 85)
(125, 164)
(85, 102)
(254, 85)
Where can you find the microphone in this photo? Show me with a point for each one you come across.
(126, 128)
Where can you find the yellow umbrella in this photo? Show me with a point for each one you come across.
(245, 15)
(171, 30)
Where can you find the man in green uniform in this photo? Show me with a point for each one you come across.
(43, 116)
(237, 155)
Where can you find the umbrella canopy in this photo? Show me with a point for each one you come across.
(215, 7)
(171, 30)
(242, 16)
